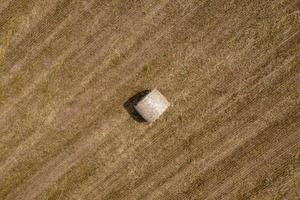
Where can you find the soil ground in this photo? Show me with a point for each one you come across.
(229, 68)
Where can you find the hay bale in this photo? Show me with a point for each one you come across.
(152, 106)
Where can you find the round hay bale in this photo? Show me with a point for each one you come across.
(152, 106)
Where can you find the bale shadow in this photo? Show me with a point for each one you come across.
(130, 103)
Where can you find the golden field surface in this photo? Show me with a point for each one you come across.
(230, 69)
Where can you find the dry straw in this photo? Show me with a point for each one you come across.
(152, 106)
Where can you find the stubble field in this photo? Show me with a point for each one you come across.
(229, 68)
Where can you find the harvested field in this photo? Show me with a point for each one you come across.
(229, 68)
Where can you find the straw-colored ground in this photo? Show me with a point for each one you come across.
(229, 68)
